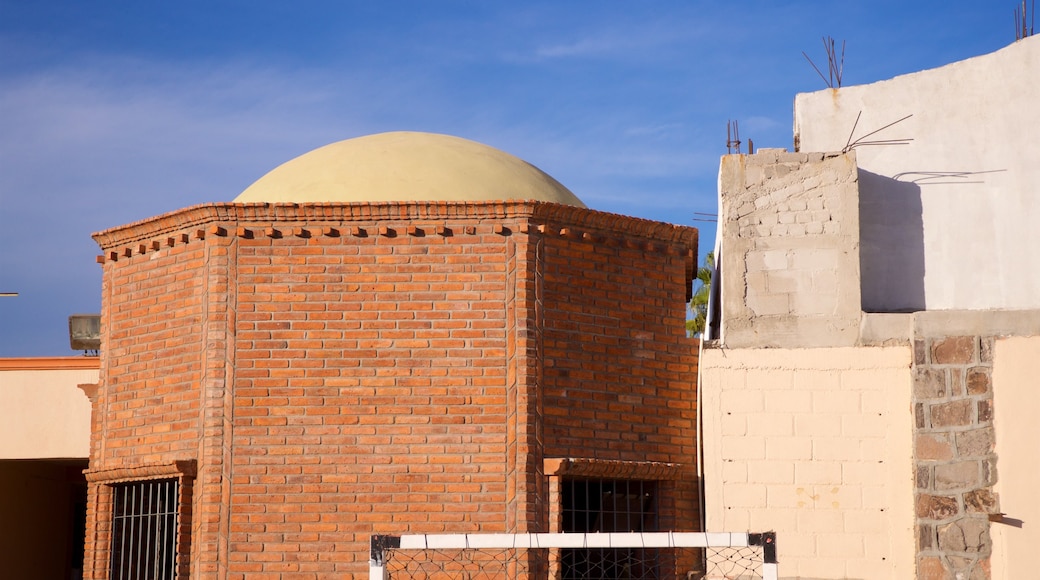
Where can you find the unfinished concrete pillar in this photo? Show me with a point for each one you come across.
(790, 254)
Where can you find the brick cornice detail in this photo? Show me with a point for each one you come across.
(317, 214)
(182, 468)
(604, 469)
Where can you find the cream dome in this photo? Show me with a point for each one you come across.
(406, 166)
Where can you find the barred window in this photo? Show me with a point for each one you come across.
(595, 505)
(144, 530)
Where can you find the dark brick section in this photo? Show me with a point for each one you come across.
(954, 456)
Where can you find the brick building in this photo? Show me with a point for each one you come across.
(399, 333)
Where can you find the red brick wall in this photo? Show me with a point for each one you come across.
(619, 369)
(152, 313)
(370, 393)
(343, 370)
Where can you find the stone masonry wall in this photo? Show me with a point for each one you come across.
(955, 463)
(790, 264)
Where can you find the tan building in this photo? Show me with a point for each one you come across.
(44, 446)
(870, 393)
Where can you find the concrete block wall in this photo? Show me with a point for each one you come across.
(790, 258)
(815, 444)
(329, 371)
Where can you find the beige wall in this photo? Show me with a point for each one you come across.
(1016, 366)
(43, 414)
(960, 196)
(815, 444)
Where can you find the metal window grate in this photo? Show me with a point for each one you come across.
(594, 505)
(144, 530)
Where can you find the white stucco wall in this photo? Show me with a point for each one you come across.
(815, 444)
(43, 413)
(1016, 406)
(947, 221)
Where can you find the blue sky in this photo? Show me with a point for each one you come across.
(112, 112)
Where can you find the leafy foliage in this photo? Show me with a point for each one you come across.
(699, 303)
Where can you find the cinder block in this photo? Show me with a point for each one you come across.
(735, 425)
(744, 495)
(741, 401)
(840, 545)
(770, 424)
(865, 521)
(808, 473)
(734, 472)
(836, 449)
(789, 448)
(762, 304)
(818, 380)
(788, 402)
(820, 521)
(817, 425)
(743, 448)
(838, 402)
(862, 473)
(770, 472)
(863, 425)
(769, 379)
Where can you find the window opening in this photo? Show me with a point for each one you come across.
(144, 530)
(594, 505)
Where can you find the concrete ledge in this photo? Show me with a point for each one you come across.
(940, 323)
(885, 329)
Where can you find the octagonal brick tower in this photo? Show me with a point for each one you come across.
(398, 333)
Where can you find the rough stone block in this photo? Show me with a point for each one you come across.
(955, 383)
(975, 443)
(931, 568)
(920, 352)
(985, 410)
(936, 507)
(986, 349)
(960, 475)
(966, 535)
(925, 537)
(981, 501)
(952, 414)
(953, 350)
(934, 447)
(989, 472)
(923, 477)
(929, 383)
(978, 381)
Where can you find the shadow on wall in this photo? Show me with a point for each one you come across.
(891, 256)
